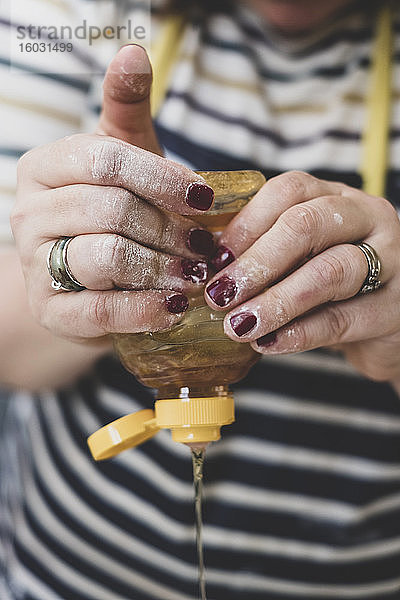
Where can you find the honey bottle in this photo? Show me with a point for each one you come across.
(192, 364)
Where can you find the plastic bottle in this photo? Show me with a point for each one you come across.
(192, 364)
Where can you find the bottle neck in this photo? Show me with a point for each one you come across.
(194, 391)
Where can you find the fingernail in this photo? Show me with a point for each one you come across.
(267, 340)
(222, 291)
(200, 196)
(132, 44)
(243, 323)
(194, 271)
(178, 303)
(136, 63)
(201, 241)
(222, 258)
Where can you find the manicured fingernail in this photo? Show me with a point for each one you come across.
(194, 270)
(178, 303)
(222, 291)
(222, 258)
(201, 241)
(200, 196)
(267, 340)
(242, 323)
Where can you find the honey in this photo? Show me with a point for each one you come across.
(196, 354)
(191, 364)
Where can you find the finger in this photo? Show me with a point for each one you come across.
(126, 112)
(107, 161)
(302, 231)
(362, 318)
(109, 261)
(258, 216)
(93, 314)
(90, 314)
(334, 275)
(80, 209)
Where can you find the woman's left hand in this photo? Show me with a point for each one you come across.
(295, 281)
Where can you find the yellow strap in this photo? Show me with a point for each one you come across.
(375, 142)
(163, 57)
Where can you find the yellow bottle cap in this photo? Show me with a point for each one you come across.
(195, 419)
(191, 420)
(122, 434)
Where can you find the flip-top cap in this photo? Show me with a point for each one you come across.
(122, 434)
(191, 420)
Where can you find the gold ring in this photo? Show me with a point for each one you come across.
(372, 281)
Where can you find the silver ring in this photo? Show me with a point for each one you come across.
(372, 281)
(58, 267)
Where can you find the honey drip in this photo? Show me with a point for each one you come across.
(198, 462)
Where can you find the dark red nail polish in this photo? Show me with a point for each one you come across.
(267, 340)
(243, 323)
(178, 303)
(194, 271)
(222, 291)
(200, 196)
(222, 258)
(201, 241)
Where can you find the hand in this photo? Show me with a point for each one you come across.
(123, 205)
(294, 283)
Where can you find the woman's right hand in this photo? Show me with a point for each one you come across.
(135, 246)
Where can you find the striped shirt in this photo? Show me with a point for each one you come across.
(302, 494)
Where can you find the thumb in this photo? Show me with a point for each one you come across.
(126, 112)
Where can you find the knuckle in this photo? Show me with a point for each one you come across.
(112, 258)
(23, 163)
(118, 210)
(26, 159)
(163, 229)
(76, 138)
(330, 272)
(344, 189)
(163, 180)
(156, 270)
(252, 217)
(106, 160)
(128, 265)
(17, 218)
(336, 322)
(101, 312)
(293, 182)
(302, 222)
(386, 209)
(114, 252)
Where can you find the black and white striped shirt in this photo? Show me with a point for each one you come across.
(302, 494)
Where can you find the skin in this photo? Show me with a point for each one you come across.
(112, 197)
(295, 238)
(293, 17)
(120, 227)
